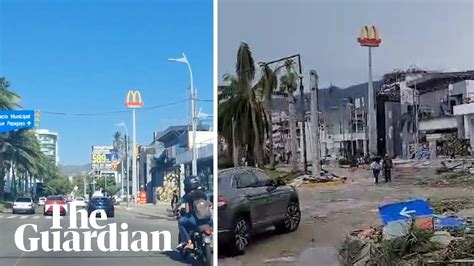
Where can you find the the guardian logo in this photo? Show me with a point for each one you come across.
(109, 239)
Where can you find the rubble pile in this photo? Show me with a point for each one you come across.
(170, 184)
(323, 177)
(455, 166)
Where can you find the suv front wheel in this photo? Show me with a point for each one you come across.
(292, 218)
(241, 235)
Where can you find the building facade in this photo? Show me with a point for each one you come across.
(167, 160)
(49, 144)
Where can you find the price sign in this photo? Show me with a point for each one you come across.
(101, 158)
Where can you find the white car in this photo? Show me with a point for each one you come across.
(41, 201)
(80, 202)
(23, 204)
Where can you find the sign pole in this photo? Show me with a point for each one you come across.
(134, 156)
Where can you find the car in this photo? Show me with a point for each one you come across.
(41, 201)
(23, 205)
(249, 201)
(80, 202)
(54, 200)
(101, 203)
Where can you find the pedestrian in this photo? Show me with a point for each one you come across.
(376, 167)
(387, 168)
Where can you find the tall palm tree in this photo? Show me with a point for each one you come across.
(235, 119)
(267, 84)
(239, 103)
(288, 85)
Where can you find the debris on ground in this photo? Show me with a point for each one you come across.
(281, 259)
(452, 166)
(439, 239)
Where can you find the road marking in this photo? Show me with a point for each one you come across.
(36, 217)
(23, 217)
(12, 216)
(1, 216)
(19, 258)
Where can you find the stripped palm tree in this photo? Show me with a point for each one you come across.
(288, 85)
(241, 110)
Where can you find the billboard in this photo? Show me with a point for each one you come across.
(102, 158)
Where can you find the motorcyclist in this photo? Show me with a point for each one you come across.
(188, 220)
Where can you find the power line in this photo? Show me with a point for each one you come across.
(121, 111)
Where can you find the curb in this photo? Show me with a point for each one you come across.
(130, 209)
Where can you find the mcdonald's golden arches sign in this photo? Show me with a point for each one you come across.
(369, 36)
(134, 99)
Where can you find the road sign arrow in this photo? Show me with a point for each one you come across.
(406, 213)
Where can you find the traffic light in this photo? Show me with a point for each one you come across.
(37, 118)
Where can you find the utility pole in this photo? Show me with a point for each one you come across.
(313, 83)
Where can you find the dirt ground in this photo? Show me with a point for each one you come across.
(329, 212)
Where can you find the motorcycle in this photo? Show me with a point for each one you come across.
(202, 242)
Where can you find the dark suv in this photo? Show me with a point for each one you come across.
(250, 201)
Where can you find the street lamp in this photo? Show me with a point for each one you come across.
(122, 124)
(194, 118)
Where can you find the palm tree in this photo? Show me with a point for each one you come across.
(288, 85)
(240, 104)
(8, 99)
(408, 120)
(267, 84)
(21, 148)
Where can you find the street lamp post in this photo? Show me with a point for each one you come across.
(194, 118)
(369, 38)
(302, 105)
(122, 124)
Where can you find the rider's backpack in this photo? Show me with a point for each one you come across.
(202, 209)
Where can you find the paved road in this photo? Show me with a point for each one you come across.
(11, 255)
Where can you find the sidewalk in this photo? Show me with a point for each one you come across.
(160, 210)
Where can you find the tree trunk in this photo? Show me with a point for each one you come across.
(235, 149)
(257, 144)
(13, 190)
(268, 113)
(293, 141)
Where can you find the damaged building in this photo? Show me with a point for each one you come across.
(415, 113)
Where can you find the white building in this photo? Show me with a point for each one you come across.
(466, 110)
(49, 144)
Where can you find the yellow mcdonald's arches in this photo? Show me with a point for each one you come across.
(369, 36)
(134, 99)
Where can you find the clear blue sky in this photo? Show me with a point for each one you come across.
(83, 57)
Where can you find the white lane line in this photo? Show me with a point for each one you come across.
(1, 216)
(19, 258)
(12, 216)
(23, 217)
(36, 217)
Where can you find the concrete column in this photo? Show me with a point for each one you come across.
(432, 147)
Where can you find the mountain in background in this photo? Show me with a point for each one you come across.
(75, 169)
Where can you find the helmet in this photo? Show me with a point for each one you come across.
(191, 183)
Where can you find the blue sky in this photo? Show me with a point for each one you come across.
(84, 56)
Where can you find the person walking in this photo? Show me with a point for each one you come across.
(376, 167)
(387, 168)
